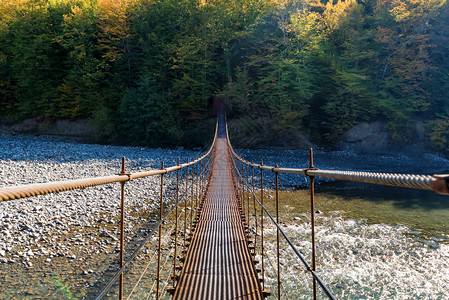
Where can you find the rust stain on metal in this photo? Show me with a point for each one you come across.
(440, 184)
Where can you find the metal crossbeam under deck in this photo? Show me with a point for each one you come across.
(218, 262)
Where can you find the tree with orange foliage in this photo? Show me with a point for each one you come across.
(114, 30)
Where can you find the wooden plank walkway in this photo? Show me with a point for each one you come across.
(218, 262)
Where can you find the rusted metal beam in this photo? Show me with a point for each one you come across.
(122, 227)
(277, 235)
(312, 220)
(161, 207)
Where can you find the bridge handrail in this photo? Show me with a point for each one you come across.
(157, 225)
(309, 268)
(151, 232)
(29, 190)
(439, 183)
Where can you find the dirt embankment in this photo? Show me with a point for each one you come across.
(364, 137)
(62, 127)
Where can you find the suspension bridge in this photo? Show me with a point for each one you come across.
(214, 252)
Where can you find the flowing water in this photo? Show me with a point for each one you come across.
(373, 242)
(425, 213)
(365, 261)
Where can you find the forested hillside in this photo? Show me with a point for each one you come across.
(146, 71)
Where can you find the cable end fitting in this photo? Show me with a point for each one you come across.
(440, 184)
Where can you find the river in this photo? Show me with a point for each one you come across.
(373, 242)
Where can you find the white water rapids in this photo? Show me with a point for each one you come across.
(359, 261)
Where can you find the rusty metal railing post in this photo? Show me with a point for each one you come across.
(195, 185)
(176, 226)
(122, 227)
(160, 234)
(185, 207)
(238, 179)
(203, 177)
(247, 195)
(277, 233)
(242, 176)
(197, 189)
(255, 208)
(312, 220)
(201, 180)
(202, 172)
(192, 198)
(261, 225)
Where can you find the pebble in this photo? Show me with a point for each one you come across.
(87, 272)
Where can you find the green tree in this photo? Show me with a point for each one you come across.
(147, 117)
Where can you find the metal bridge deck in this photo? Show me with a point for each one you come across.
(218, 262)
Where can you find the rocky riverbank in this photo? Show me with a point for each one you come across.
(72, 234)
(66, 243)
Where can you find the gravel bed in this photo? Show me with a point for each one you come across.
(65, 226)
